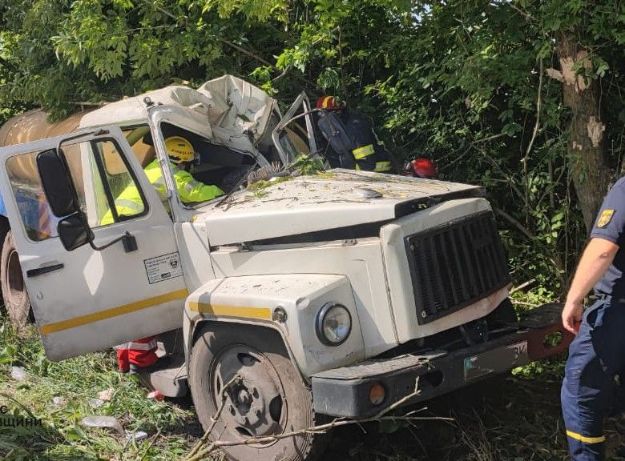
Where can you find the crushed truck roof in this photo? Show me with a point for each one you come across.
(227, 103)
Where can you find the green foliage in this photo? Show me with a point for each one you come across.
(307, 165)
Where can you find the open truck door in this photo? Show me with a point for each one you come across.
(99, 270)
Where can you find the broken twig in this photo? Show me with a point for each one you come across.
(198, 454)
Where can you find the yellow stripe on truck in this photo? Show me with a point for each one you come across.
(231, 311)
(112, 312)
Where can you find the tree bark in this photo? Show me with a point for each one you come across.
(585, 145)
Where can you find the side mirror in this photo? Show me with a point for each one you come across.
(57, 183)
(74, 231)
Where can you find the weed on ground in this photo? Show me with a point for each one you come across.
(509, 418)
(59, 395)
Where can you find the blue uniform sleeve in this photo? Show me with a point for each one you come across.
(610, 222)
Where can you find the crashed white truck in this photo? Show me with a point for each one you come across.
(313, 296)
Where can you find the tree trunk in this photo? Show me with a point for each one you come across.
(585, 145)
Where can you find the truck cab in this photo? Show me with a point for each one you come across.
(330, 294)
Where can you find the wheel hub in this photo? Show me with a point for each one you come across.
(254, 403)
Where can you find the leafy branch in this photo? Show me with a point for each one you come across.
(202, 449)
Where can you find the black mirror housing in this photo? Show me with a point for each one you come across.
(57, 183)
(74, 231)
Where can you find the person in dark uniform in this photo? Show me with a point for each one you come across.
(597, 354)
(351, 142)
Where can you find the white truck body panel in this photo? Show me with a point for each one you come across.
(194, 254)
(98, 299)
(300, 296)
(339, 198)
(360, 262)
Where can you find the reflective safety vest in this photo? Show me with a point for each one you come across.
(129, 202)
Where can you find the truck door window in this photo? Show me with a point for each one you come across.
(101, 192)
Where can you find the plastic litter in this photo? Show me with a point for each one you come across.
(95, 403)
(106, 395)
(58, 401)
(18, 373)
(136, 436)
(104, 422)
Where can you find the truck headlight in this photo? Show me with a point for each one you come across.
(334, 324)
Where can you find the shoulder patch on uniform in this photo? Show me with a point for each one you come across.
(604, 218)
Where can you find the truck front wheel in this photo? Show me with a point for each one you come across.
(14, 293)
(263, 394)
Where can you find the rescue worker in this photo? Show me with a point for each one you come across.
(141, 353)
(181, 155)
(597, 354)
(351, 141)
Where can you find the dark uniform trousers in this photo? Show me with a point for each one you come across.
(591, 386)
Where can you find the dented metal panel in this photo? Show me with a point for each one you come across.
(334, 199)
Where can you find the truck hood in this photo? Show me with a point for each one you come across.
(336, 199)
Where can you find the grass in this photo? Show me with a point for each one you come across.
(510, 418)
(77, 380)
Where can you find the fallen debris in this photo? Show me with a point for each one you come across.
(19, 373)
(95, 403)
(136, 436)
(106, 395)
(58, 401)
(103, 422)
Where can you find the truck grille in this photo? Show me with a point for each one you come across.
(456, 264)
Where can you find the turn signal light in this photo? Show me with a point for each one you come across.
(377, 394)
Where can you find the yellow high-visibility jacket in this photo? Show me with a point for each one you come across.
(129, 202)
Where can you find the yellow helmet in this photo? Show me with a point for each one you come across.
(179, 149)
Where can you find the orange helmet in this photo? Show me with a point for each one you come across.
(329, 103)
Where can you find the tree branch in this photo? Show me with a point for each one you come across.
(246, 52)
(538, 111)
(524, 230)
(197, 455)
(214, 419)
(222, 40)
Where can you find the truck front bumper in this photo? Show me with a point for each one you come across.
(345, 392)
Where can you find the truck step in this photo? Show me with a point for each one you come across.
(168, 375)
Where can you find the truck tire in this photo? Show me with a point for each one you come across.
(16, 301)
(269, 399)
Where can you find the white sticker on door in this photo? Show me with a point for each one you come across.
(163, 267)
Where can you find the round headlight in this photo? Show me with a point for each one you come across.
(334, 324)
